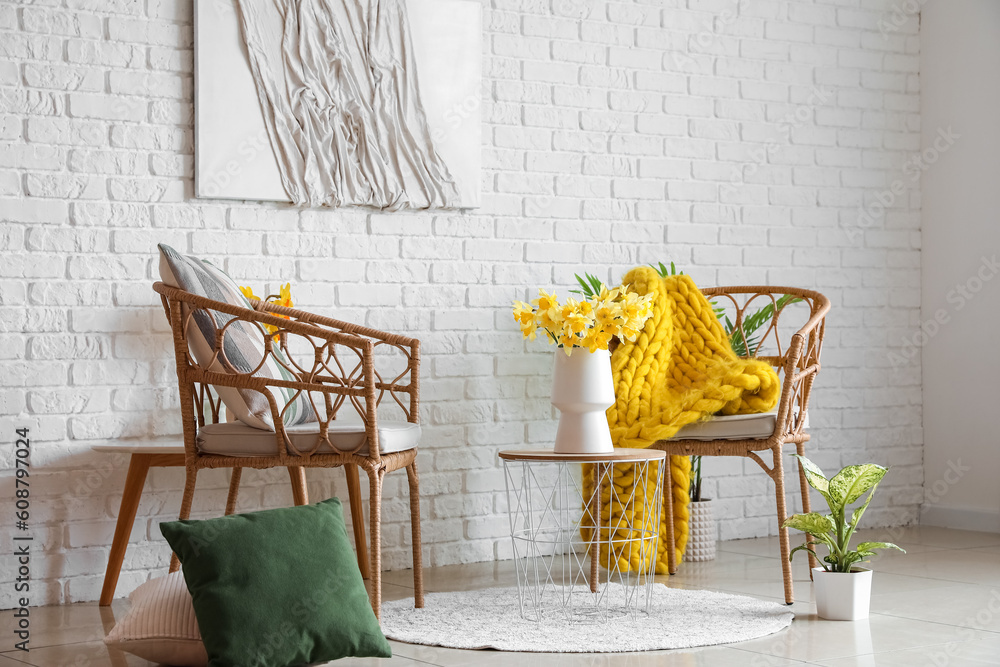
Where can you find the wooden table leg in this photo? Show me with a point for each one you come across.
(357, 517)
(137, 468)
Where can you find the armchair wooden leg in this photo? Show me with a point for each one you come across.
(375, 505)
(778, 475)
(800, 448)
(234, 490)
(138, 467)
(300, 492)
(358, 515)
(418, 571)
(189, 484)
(668, 509)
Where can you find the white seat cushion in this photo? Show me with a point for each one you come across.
(238, 439)
(732, 427)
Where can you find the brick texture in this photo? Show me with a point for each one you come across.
(748, 141)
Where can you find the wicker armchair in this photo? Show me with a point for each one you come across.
(796, 358)
(333, 364)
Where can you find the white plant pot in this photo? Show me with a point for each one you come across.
(582, 390)
(701, 532)
(842, 596)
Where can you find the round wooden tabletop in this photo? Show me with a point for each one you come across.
(619, 454)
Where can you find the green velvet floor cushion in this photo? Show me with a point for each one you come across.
(276, 588)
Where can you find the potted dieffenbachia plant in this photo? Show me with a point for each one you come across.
(843, 590)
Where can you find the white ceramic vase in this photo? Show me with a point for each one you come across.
(582, 389)
(701, 532)
(842, 596)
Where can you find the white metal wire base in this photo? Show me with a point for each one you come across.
(556, 549)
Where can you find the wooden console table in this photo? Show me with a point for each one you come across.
(143, 455)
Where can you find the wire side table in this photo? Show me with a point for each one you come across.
(567, 520)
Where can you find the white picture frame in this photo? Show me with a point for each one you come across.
(233, 155)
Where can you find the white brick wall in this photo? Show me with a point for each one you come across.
(739, 138)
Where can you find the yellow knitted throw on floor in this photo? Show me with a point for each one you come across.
(679, 370)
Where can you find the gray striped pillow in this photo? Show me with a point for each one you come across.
(242, 343)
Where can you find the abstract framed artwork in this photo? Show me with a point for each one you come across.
(339, 102)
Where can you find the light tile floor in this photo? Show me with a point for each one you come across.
(938, 606)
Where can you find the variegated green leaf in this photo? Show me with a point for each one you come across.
(853, 481)
(868, 546)
(859, 512)
(814, 476)
(847, 562)
(803, 547)
(812, 523)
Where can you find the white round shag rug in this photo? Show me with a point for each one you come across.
(491, 619)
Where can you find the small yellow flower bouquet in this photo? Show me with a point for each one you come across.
(587, 323)
(283, 298)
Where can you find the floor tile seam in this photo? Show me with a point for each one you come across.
(421, 661)
(10, 657)
(39, 647)
(899, 650)
(981, 546)
(942, 623)
(951, 581)
(795, 661)
(852, 655)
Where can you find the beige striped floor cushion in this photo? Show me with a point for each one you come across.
(161, 625)
(242, 345)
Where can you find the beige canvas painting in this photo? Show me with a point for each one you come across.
(339, 102)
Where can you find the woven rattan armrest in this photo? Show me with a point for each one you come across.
(301, 327)
(348, 327)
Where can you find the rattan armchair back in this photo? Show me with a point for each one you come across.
(332, 364)
(795, 354)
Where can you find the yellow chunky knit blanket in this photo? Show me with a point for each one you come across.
(679, 370)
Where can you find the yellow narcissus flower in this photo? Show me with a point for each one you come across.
(525, 317)
(631, 305)
(630, 332)
(545, 301)
(606, 315)
(597, 339)
(285, 296)
(590, 324)
(608, 295)
(523, 313)
(635, 310)
(573, 318)
(248, 293)
(547, 311)
(551, 320)
(528, 330)
(568, 342)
